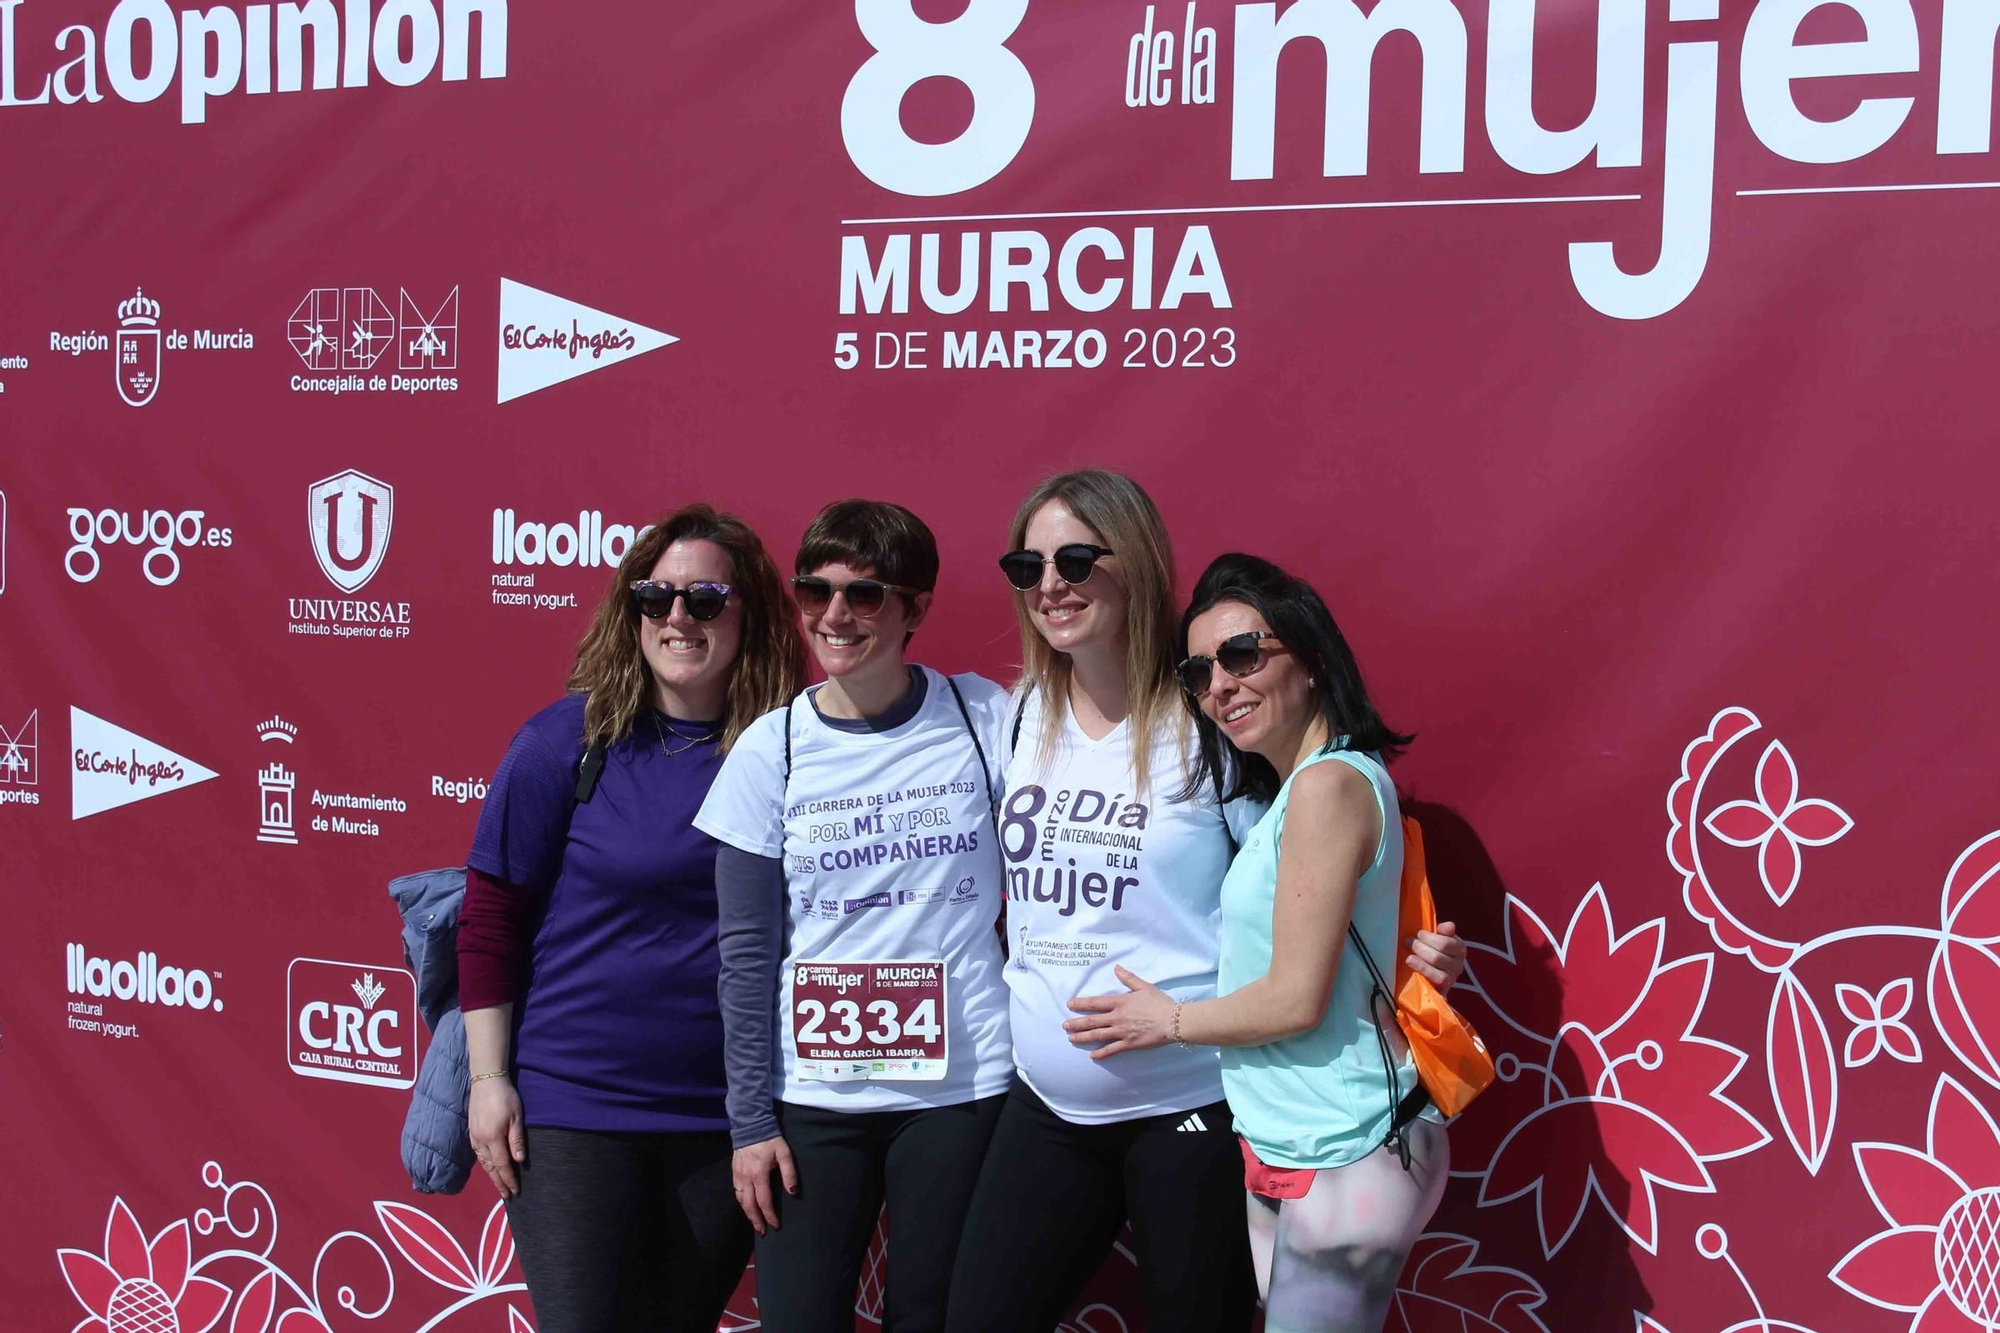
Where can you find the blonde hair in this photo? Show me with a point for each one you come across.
(1125, 519)
(770, 665)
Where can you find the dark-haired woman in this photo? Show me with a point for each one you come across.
(1340, 1180)
(1114, 858)
(865, 1015)
(587, 941)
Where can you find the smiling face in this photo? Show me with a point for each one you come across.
(689, 658)
(1267, 712)
(1082, 617)
(861, 651)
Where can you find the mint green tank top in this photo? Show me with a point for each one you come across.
(1320, 1098)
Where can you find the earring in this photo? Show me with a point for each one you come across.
(1312, 683)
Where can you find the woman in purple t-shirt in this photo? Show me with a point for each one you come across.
(587, 941)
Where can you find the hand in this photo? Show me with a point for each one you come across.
(493, 1122)
(1140, 1019)
(751, 1168)
(1438, 955)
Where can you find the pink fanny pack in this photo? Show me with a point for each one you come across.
(1273, 1182)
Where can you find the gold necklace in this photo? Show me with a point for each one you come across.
(691, 741)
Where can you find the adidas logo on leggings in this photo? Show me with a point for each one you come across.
(1192, 1124)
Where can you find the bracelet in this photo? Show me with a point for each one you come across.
(497, 1073)
(1179, 1040)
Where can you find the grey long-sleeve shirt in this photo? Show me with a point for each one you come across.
(750, 901)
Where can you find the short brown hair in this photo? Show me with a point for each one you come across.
(875, 535)
(770, 665)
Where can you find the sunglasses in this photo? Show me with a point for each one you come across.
(864, 596)
(1073, 563)
(656, 600)
(1240, 655)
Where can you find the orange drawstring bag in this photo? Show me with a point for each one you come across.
(1452, 1062)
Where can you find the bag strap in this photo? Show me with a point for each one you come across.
(985, 773)
(588, 770)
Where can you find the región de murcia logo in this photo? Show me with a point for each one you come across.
(140, 342)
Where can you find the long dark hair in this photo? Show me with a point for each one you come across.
(1300, 619)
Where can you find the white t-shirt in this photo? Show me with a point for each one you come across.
(888, 851)
(1098, 876)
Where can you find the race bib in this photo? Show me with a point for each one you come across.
(868, 1020)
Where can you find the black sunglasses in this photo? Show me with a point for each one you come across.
(1239, 654)
(656, 600)
(864, 596)
(1073, 563)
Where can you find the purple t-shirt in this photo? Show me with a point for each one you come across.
(617, 1027)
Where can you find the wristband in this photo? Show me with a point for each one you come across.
(497, 1073)
(1179, 1040)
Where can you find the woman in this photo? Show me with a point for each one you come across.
(858, 885)
(1341, 1177)
(1113, 855)
(587, 940)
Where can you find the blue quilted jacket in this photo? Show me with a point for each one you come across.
(437, 1150)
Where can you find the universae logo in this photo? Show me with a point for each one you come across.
(349, 515)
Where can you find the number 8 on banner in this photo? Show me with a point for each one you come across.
(971, 49)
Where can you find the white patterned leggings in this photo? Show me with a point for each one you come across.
(1328, 1262)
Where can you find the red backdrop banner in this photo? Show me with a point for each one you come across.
(1614, 368)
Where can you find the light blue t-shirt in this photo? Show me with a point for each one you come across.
(1321, 1098)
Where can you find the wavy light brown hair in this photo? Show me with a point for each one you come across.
(770, 666)
(1125, 520)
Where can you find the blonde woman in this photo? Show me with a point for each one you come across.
(587, 942)
(1115, 862)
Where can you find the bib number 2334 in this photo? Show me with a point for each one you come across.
(869, 1020)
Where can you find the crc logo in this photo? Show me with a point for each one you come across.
(351, 1022)
(349, 328)
(349, 515)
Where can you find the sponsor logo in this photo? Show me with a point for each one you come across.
(20, 761)
(218, 52)
(334, 812)
(964, 891)
(587, 543)
(274, 786)
(352, 1022)
(343, 333)
(117, 767)
(349, 517)
(136, 350)
(160, 531)
(546, 339)
(139, 344)
(142, 979)
(920, 895)
(852, 905)
(817, 908)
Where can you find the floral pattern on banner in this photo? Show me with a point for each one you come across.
(1603, 1074)
(137, 1286)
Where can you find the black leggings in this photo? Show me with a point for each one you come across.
(1049, 1203)
(627, 1231)
(921, 1163)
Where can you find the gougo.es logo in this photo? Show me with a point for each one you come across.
(159, 531)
